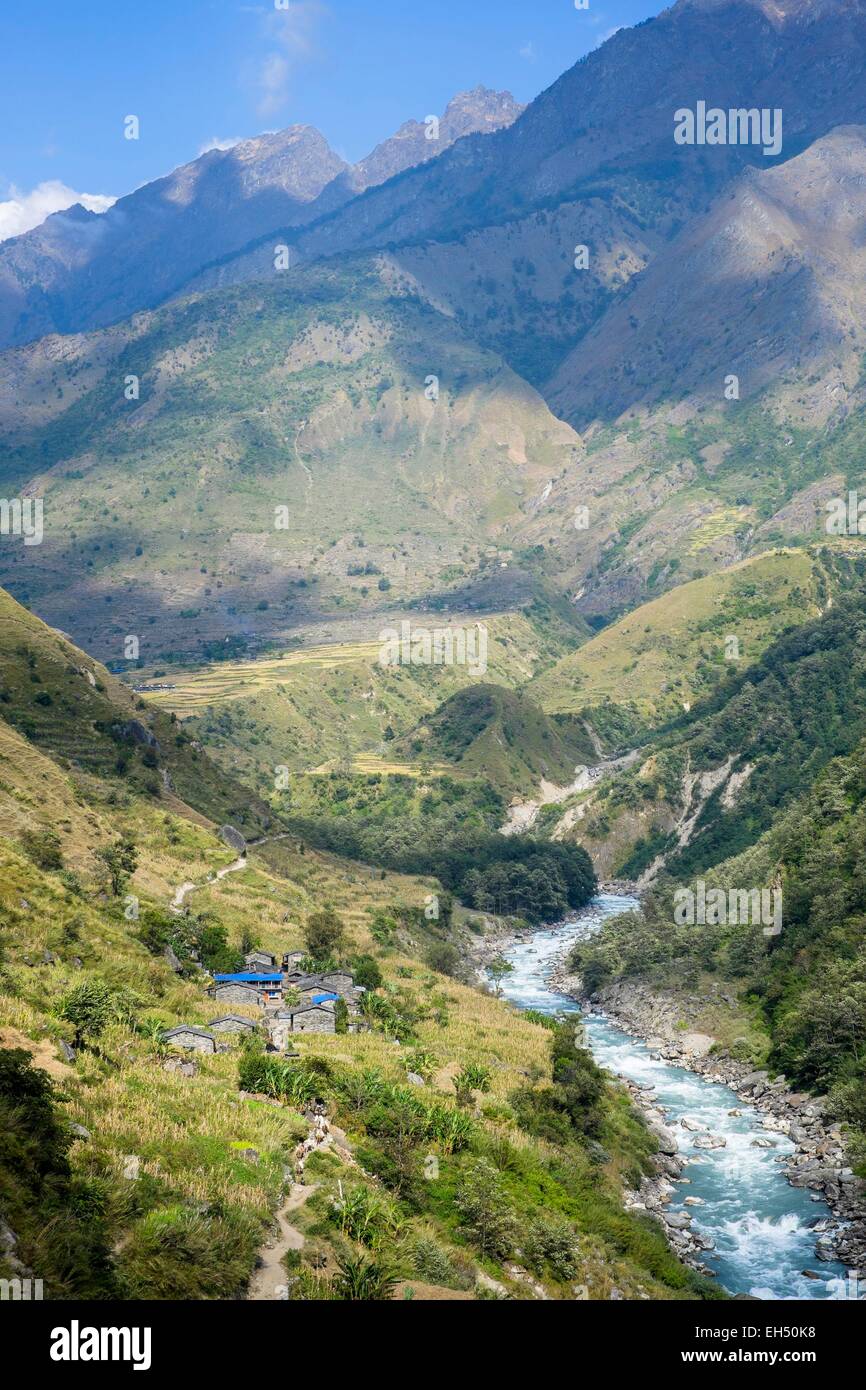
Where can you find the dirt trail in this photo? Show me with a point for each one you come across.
(183, 890)
(269, 1280)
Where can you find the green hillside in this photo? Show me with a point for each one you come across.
(71, 708)
(707, 784)
(665, 654)
(487, 731)
(332, 703)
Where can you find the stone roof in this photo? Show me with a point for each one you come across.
(301, 1009)
(188, 1028)
(318, 981)
(234, 1018)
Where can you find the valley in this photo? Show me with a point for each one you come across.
(422, 572)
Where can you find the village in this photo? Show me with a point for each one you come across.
(286, 1001)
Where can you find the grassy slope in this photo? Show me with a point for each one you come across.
(667, 653)
(69, 705)
(485, 731)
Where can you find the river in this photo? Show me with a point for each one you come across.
(759, 1223)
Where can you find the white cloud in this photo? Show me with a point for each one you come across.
(215, 143)
(290, 37)
(528, 51)
(22, 211)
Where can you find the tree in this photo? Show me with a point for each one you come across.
(213, 947)
(366, 972)
(89, 1008)
(498, 968)
(324, 934)
(121, 861)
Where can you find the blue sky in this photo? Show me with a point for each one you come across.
(198, 70)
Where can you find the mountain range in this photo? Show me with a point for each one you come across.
(567, 385)
(81, 270)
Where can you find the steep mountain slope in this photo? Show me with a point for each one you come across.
(592, 161)
(81, 271)
(68, 706)
(300, 450)
(613, 111)
(767, 286)
(596, 150)
(710, 784)
(481, 272)
(476, 112)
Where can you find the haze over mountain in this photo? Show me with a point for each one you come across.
(81, 270)
(701, 262)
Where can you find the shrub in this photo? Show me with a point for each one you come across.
(433, 1264)
(43, 848)
(550, 1242)
(484, 1214)
(363, 1279)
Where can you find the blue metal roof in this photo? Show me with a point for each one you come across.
(320, 998)
(250, 977)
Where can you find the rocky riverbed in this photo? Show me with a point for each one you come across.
(817, 1160)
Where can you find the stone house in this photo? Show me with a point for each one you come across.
(233, 1023)
(337, 982)
(340, 981)
(260, 960)
(192, 1038)
(268, 983)
(292, 960)
(313, 1018)
(306, 1018)
(236, 993)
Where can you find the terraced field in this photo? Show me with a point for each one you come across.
(312, 706)
(195, 691)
